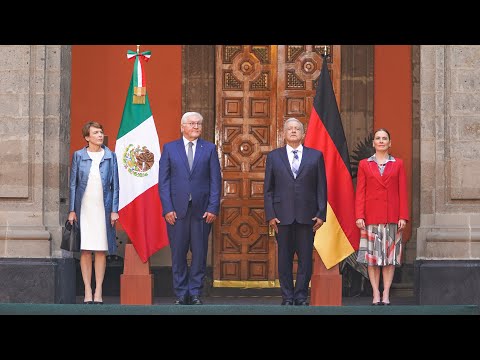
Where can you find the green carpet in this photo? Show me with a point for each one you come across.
(115, 309)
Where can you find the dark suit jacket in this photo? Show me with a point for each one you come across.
(300, 199)
(381, 199)
(176, 181)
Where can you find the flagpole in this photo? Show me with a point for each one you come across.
(137, 281)
(325, 52)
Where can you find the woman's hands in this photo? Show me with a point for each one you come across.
(72, 216)
(113, 218)
(360, 223)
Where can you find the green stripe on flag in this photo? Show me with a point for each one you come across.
(133, 114)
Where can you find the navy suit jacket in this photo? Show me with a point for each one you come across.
(300, 199)
(176, 181)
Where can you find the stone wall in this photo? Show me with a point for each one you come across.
(34, 153)
(447, 269)
(449, 153)
(34, 108)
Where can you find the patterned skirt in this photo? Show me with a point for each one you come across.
(380, 245)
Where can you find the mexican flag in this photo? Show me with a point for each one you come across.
(138, 154)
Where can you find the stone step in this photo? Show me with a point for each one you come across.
(402, 289)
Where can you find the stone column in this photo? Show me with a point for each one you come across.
(35, 131)
(447, 269)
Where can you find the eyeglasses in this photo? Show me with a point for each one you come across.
(193, 124)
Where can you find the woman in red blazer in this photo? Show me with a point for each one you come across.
(381, 211)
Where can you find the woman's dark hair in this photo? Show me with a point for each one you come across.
(87, 126)
(382, 129)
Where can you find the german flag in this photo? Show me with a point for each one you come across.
(339, 236)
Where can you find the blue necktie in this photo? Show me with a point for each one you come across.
(295, 163)
(190, 162)
(190, 155)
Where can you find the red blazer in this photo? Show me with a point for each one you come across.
(381, 199)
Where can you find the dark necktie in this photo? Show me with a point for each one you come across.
(295, 163)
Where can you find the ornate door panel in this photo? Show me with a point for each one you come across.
(246, 83)
(298, 71)
(257, 89)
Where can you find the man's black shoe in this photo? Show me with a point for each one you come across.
(181, 301)
(195, 300)
(301, 302)
(287, 302)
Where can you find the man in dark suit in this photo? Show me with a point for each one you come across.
(295, 194)
(189, 186)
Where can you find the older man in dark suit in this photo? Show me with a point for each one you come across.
(295, 194)
(189, 185)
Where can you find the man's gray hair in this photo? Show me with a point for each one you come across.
(292, 119)
(191, 113)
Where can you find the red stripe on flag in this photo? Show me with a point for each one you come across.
(340, 192)
(143, 222)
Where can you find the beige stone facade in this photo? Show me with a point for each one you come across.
(449, 153)
(34, 147)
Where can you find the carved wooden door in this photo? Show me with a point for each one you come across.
(258, 87)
